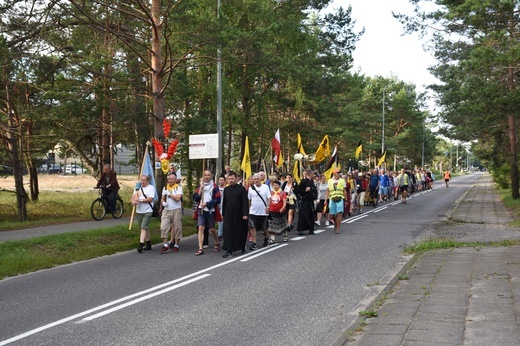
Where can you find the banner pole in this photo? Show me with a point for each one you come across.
(138, 178)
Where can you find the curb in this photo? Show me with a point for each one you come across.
(449, 214)
(340, 334)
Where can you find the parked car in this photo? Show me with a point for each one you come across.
(74, 169)
(50, 168)
(8, 170)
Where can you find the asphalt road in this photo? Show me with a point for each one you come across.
(293, 293)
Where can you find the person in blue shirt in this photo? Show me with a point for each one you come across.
(383, 186)
(373, 186)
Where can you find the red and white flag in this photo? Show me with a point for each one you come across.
(277, 149)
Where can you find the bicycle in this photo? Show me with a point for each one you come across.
(101, 206)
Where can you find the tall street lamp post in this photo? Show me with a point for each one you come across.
(383, 130)
(219, 104)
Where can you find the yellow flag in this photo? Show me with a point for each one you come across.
(246, 160)
(382, 159)
(323, 150)
(297, 171)
(328, 172)
(300, 146)
(359, 149)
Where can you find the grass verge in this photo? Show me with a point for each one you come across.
(513, 205)
(24, 256)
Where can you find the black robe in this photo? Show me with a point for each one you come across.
(306, 212)
(234, 208)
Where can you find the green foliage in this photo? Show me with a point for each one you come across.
(438, 243)
(501, 176)
(477, 49)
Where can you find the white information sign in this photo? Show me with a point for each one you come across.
(203, 146)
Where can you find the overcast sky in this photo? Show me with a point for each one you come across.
(382, 50)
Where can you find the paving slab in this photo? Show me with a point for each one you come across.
(462, 296)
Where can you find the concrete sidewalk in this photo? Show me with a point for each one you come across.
(33, 232)
(463, 296)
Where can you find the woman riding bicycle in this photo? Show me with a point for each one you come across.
(108, 181)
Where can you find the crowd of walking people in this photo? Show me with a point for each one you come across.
(234, 211)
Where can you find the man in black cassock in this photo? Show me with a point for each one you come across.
(307, 192)
(235, 210)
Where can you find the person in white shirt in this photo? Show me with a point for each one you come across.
(142, 199)
(171, 214)
(259, 198)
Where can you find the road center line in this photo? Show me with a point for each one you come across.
(358, 218)
(262, 253)
(114, 302)
(138, 300)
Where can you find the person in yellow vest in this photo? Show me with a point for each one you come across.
(403, 180)
(447, 177)
(335, 198)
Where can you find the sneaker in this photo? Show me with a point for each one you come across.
(317, 223)
(140, 248)
(165, 249)
(285, 240)
(361, 211)
(205, 246)
(271, 241)
(175, 248)
(172, 244)
(266, 242)
(147, 248)
(327, 223)
(253, 247)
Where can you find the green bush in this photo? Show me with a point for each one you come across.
(501, 176)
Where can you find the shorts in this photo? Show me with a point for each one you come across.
(206, 219)
(383, 190)
(169, 218)
(258, 222)
(336, 207)
(144, 220)
(403, 188)
(373, 193)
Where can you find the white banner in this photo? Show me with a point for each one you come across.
(203, 146)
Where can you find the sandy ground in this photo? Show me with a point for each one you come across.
(57, 182)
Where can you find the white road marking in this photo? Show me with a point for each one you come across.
(263, 253)
(359, 218)
(297, 238)
(117, 301)
(138, 300)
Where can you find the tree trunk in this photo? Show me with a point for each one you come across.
(514, 158)
(512, 142)
(13, 145)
